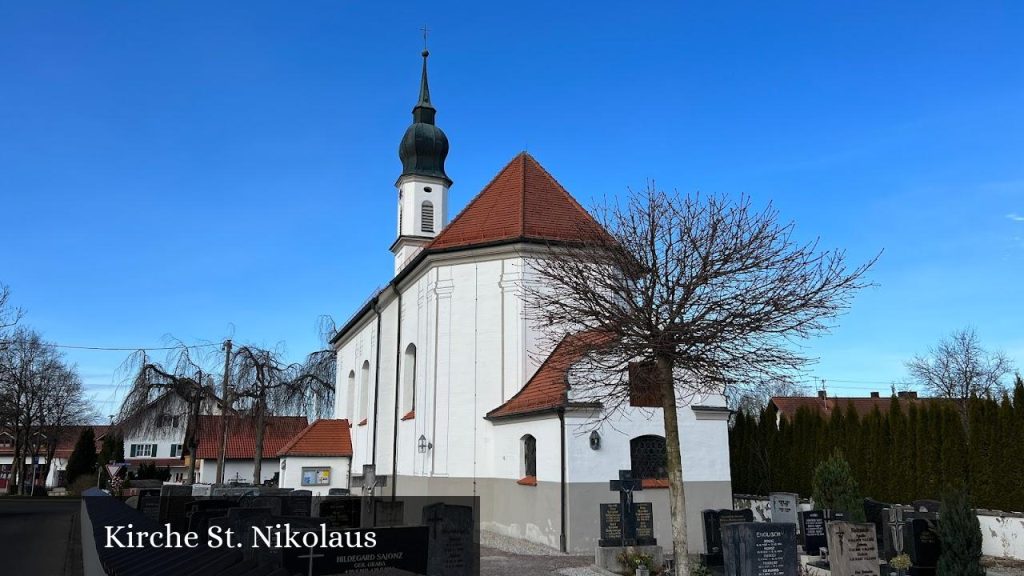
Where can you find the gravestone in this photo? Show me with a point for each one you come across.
(812, 526)
(241, 521)
(784, 507)
(611, 525)
(929, 506)
(451, 550)
(852, 549)
(174, 504)
(273, 503)
(388, 513)
(149, 503)
(202, 511)
(922, 544)
(398, 550)
(713, 522)
(202, 490)
(341, 513)
(297, 503)
(759, 549)
(643, 523)
(875, 512)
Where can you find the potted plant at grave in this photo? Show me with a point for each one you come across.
(635, 563)
(901, 563)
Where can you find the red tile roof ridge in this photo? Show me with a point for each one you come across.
(310, 441)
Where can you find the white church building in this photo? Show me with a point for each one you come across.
(450, 390)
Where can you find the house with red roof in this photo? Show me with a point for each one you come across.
(64, 439)
(240, 449)
(318, 459)
(449, 389)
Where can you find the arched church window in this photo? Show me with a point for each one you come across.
(350, 404)
(364, 392)
(409, 381)
(427, 216)
(529, 456)
(648, 458)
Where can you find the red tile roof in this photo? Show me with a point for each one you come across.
(241, 443)
(66, 440)
(523, 202)
(321, 438)
(549, 386)
(788, 405)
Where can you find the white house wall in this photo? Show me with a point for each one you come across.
(291, 472)
(236, 469)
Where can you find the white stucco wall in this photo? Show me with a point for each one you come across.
(1002, 535)
(291, 472)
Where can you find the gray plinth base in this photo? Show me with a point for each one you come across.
(606, 557)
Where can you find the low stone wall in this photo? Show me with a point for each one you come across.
(1002, 532)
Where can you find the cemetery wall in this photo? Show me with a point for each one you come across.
(241, 469)
(1002, 535)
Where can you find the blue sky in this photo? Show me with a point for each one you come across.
(210, 171)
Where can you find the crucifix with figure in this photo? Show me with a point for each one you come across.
(625, 486)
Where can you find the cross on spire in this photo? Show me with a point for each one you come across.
(425, 31)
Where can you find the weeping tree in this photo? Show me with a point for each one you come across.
(695, 294)
(182, 387)
(264, 385)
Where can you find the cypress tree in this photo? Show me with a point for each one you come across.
(960, 536)
(83, 457)
(835, 487)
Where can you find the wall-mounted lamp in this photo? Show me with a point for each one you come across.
(595, 440)
(423, 445)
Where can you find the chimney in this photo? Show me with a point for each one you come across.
(907, 394)
(821, 394)
(875, 395)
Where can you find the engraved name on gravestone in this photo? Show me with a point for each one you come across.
(759, 549)
(343, 512)
(397, 551)
(812, 526)
(611, 525)
(451, 550)
(784, 506)
(852, 549)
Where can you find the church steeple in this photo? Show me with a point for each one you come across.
(424, 146)
(423, 185)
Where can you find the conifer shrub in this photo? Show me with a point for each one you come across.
(835, 488)
(960, 536)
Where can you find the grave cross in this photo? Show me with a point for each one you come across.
(625, 486)
(840, 533)
(311, 556)
(896, 526)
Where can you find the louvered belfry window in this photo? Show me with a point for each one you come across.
(427, 216)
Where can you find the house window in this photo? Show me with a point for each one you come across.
(644, 391)
(647, 457)
(427, 216)
(529, 447)
(143, 451)
(170, 420)
(6, 441)
(176, 450)
(409, 380)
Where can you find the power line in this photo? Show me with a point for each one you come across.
(119, 349)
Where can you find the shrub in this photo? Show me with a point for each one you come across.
(83, 457)
(834, 487)
(630, 560)
(81, 484)
(960, 536)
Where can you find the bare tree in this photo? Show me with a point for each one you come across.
(264, 385)
(181, 387)
(706, 293)
(959, 368)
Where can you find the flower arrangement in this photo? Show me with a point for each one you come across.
(630, 560)
(901, 562)
(115, 485)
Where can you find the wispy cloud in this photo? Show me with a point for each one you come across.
(1015, 217)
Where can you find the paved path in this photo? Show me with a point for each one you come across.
(495, 562)
(40, 537)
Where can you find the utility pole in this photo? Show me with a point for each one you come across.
(224, 403)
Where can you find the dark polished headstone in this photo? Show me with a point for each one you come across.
(387, 513)
(852, 549)
(174, 505)
(812, 526)
(344, 512)
(297, 503)
(149, 502)
(930, 506)
(760, 549)
(451, 550)
(923, 546)
(611, 525)
(713, 522)
(875, 512)
(397, 551)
